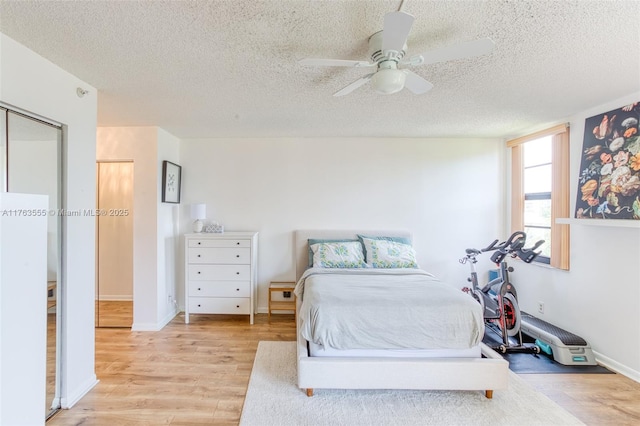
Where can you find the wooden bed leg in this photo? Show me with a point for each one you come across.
(309, 391)
(488, 394)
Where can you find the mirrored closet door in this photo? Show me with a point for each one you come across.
(32, 163)
(114, 244)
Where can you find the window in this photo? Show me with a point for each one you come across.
(537, 194)
(540, 192)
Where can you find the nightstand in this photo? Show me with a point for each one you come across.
(282, 305)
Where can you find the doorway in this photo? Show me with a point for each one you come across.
(114, 244)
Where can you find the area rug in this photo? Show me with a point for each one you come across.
(273, 398)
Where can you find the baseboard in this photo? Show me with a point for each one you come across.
(617, 367)
(171, 315)
(155, 326)
(114, 298)
(70, 400)
(266, 311)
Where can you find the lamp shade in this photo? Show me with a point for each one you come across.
(388, 81)
(198, 211)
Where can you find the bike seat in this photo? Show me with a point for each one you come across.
(472, 251)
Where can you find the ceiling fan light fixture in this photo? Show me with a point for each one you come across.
(388, 81)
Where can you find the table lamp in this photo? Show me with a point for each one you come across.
(198, 214)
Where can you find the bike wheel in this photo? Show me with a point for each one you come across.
(511, 316)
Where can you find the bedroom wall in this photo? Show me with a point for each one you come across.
(599, 298)
(168, 231)
(448, 192)
(30, 82)
(155, 224)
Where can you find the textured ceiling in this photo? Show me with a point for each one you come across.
(229, 68)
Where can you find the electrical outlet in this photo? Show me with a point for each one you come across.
(541, 307)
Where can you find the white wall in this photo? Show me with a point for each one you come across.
(168, 234)
(599, 298)
(448, 192)
(155, 224)
(34, 84)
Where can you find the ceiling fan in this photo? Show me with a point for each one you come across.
(387, 49)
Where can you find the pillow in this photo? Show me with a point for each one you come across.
(403, 240)
(316, 241)
(389, 254)
(338, 255)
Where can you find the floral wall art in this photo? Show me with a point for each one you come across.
(609, 182)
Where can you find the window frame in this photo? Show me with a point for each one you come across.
(559, 192)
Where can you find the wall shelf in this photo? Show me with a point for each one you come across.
(616, 223)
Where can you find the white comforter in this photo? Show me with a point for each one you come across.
(386, 309)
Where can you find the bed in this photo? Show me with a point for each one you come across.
(320, 365)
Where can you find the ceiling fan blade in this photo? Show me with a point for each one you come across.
(334, 63)
(415, 83)
(353, 86)
(396, 30)
(459, 51)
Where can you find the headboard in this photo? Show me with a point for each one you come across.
(301, 238)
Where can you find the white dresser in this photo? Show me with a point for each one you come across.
(221, 273)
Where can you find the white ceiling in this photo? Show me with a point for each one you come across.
(229, 68)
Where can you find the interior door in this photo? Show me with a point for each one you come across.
(33, 161)
(114, 216)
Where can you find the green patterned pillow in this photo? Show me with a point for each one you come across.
(338, 255)
(312, 241)
(389, 254)
(403, 240)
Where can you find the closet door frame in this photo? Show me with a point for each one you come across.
(5, 111)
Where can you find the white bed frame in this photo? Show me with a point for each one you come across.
(488, 374)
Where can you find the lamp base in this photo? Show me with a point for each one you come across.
(197, 226)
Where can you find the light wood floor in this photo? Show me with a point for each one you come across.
(51, 360)
(198, 374)
(114, 313)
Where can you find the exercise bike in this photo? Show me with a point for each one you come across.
(499, 298)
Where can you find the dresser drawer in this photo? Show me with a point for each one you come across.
(219, 289)
(222, 305)
(219, 243)
(220, 255)
(219, 272)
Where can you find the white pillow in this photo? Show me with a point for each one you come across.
(389, 254)
(338, 255)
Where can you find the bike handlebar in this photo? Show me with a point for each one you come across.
(513, 246)
(490, 246)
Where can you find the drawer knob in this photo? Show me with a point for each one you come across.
(198, 271)
(237, 289)
(237, 255)
(237, 273)
(237, 306)
(199, 289)
(238, 243)
(199, 306)
(199, 244)
(199, 256)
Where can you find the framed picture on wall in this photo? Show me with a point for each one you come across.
(171, 176)
(609, 181)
